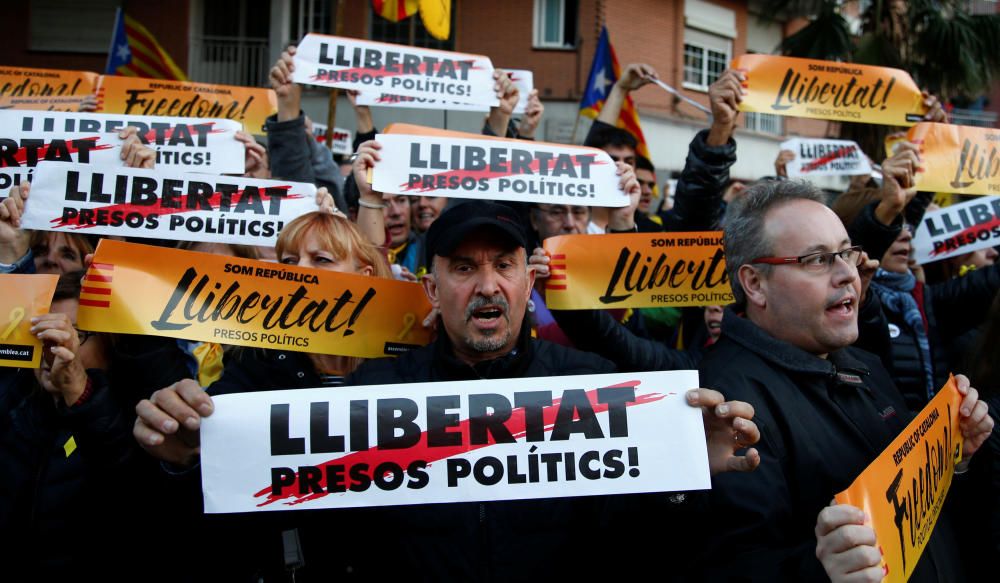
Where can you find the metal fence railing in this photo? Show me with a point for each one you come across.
(229, 60)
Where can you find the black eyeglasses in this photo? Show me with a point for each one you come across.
(817, 262)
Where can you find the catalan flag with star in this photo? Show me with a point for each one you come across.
(136, 53)
(603, 73)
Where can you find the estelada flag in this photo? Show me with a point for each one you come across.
(395, 10)
(136, 53)
(603, 73)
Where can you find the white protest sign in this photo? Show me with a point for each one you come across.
(343, 139)
(348, 63)
(958, 229)
(163, 204)
(183, 144)
(429, 162)
(823, 157)
(426, 443)
(523, 80)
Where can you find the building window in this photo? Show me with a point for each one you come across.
(69, 26)
(555, 24)
(410, 32)
(765, 123)
(706, 56)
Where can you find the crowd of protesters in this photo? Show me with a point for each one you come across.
(835, 340)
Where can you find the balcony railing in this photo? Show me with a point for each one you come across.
(968, 117)
(229, 60)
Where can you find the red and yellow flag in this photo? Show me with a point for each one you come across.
(135, 52)
(395, 10)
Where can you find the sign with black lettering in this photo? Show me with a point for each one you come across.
(343, 139)
(158, 204)
(429, 162)
(523, 80)
(425, 443)
(823, 157)
(958, 229)
(348, 63)
(29, 137)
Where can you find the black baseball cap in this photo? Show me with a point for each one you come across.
(448, 231)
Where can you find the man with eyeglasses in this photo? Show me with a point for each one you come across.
(825, 409)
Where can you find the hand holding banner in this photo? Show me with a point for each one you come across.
(824, 157)
(636, 270)
(137, 289)
(130, 202)
(523, 80)
(595, 434)
(136, 96)
(958, 159)
(829, 90)
(429, 162)
(23, 298)
(366, 66)
(904, 489)
(957, 230)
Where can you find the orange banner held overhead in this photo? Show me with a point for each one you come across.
(636, 270)
(137, 289)
(45, 89)
(904, 489)
(957, 159)
(23, 298)
(830, 90)
(137, 96)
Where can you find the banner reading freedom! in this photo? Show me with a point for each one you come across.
(823, 157)
(958, 229)
(154, 204)
(138, 289)
(46, 89)
(636, 270)
(425, 443)
(829, 90)
(23, 298)
(904, 489)
(958, 159)
(136, 96)
(366, 66)
(431, 162)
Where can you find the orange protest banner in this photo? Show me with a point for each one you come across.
(137, 96)
(636, 270)
(137, 289)
(45, 89)
(904, 489)
(957, 159)
(829, 90)
(23, 298)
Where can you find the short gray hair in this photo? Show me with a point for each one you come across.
(743, 235)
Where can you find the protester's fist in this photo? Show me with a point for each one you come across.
(532, 116)
(623, 219)
(506, 91)
(134, 152)
(11, 209)
(781, 162)
(168, 422)
(539, 261)
(89, 104)
(281, 73)
(974, 420)
(728, 429)
(63, 373)
(324, 200)
(846, 547)
(935, 113)
(725, 96)
(635, 76)
(367, 157)
(899, 181)
(254, 157)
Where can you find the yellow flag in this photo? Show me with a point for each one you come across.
(436, 15)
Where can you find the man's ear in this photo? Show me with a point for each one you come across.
(429, 281)
(754, 285)
(531, 279)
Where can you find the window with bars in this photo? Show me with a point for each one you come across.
(765, 123)
(706, 56)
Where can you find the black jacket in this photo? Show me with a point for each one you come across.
(296, 155)
(822, 421)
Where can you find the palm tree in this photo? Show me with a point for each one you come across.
(947, 49)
